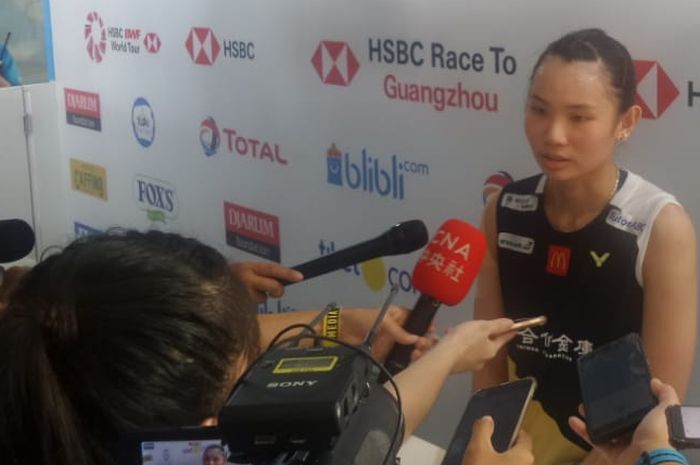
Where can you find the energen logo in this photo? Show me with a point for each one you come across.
(335, 63)
(655, 90)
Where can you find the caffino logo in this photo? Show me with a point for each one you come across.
(204, 47)
(127, 40)
(209, 136)
(655, 90)
(335, 63)
(143, 122)
(370, 174)
(157, 198)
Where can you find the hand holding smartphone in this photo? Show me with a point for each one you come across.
(505, 403)
(615, 387)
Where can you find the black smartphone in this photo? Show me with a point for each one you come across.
(615, 387)
(176, 446)
(505, 403)
(684, 426)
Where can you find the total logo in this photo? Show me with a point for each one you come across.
(100, 37)
(370, 174)
(157, 198)
(237, 143)
(204, 47)
(374, 273)
(143, 122)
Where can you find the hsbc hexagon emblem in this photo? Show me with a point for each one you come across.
(95, 37)
(202, 45)
(655, 90)
(335, 62)
(152, 42)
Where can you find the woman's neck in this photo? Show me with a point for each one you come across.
(571, 205)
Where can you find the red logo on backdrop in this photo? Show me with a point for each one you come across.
(202, 45)
(558, 260)
(152, 42)
(335, 63)
(95, 36)
(83, 109)
(252, 231)
(655, 90)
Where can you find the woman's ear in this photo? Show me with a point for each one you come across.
(628, 122)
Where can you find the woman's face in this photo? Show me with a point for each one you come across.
(213, 457)
(572, 120)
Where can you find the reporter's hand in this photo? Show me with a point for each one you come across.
(473, 343)
(480, 449)
(356, 323)
(651, 433)
(261, 278)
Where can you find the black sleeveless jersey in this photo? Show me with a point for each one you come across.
(588, 283)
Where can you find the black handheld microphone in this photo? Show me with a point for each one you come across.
(402, 238)
(16, 240)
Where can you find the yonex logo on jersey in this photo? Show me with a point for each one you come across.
(599, 259)
(624, 222)
(558, 260)
(521, 203)
(516, 243)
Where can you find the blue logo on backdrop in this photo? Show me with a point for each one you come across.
(369, 175)
(143, 122)
(83, 230)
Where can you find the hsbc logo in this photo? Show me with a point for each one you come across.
(655, 90)
(127, 40)
(152, 42)
(335, 63)
(204, 47)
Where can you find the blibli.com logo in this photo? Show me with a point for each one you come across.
(374, 273)
(370, 174)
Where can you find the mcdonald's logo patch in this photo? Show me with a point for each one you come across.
(558, 260)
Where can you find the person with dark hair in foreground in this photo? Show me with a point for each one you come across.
(130, 331)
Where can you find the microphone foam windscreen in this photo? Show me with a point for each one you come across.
(450, 263)
(16, 240)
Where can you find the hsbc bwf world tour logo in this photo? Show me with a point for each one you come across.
(126, 40)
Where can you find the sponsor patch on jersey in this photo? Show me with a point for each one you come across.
(519, 202)
(520, 244)
(626, 223)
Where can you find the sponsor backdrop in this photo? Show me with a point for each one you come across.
(284, 131)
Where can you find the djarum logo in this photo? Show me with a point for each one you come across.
(335, 63)
(655, 90)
